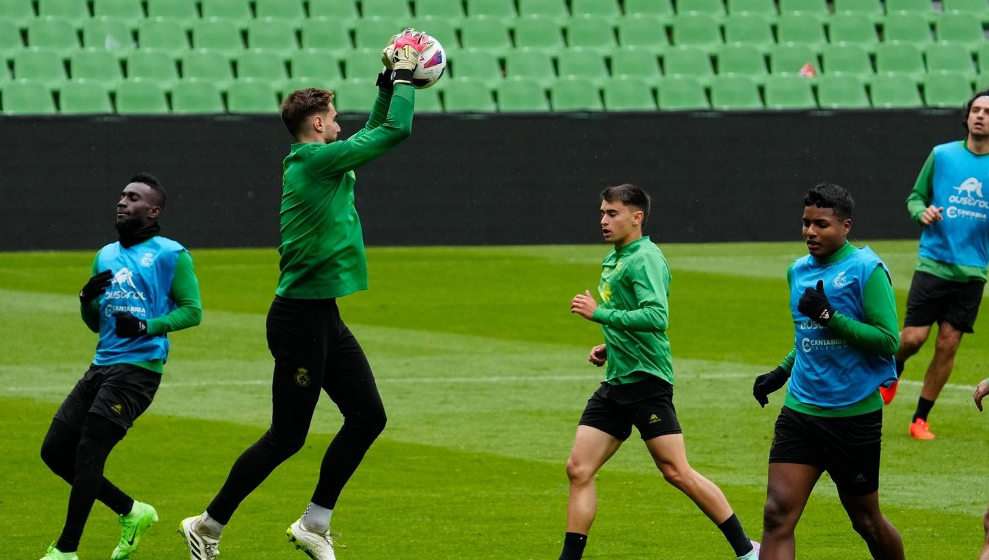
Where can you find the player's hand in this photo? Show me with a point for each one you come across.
(768, 383)
(386, 53)
(97, 285)
(931, 214)
(583, 305)
(981, 390)
(599, 355)
(129, 326)
(815, 305)
(405, 55)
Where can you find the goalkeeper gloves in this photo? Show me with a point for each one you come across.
(768, 383)
(405, 55)
(129, 326)
(815, 305)
(97, 285)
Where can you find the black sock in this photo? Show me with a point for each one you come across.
(900, 364)
(739, 541)
(923, 409)
(573, 546)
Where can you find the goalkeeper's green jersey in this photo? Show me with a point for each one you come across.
(322, 246)
(634, 287)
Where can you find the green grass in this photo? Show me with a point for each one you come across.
(483, 371)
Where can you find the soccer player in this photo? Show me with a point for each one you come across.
(322, 259)
(844, 316)
(142, 287)
(948, 201)
(981, 390)
(638, 383)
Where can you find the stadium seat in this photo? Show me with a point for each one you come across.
(362, 64)
(630, 63)
(661, 9)
(208, 66)
(354, 96)
(642, 33)
(959, 28)
(947, 90)
(682, 93)
(428, 101)
(385, 9)
(17, 12)
(552, 9)
(749, 29)
(217, 35)
(852, 28)
(252, 97)
(801, 29)
(83, 97)
(688, 62)
(164, 34)
(841, 92)
(764, 8)
(314, 63)
(538, 32)
(889, 92)
(468, 96)
(444, 9)
(815, 8)
(978, 9)
(697, 30)
(789, 92)
(260, 65)
(272, 35)
(588, 65)
(196, 97)
(72, 11)
(236, 12)
(340, 10)
(177, 10)
(39, 66)
(121, 9)
(521, 96)
(503, 10)
(26, 97)
(53, 34)
(908, 28)
(529, 64)
(900, 58)
(791, 59)
(628, 94)
(573, 95)
(949, 57)
(95, 65)
(982, 55)
(140, 97)
(715, 8)
(735, 93)
(846, 59)
(476, 65)
(327, 35)
(745, 60)
(923, 9)
(107, 33)
(152, 65)
(871, 10)
(374, 32)
(442, 29)
(587, 32)
(288, 10)
(602, 10)
(10, 42)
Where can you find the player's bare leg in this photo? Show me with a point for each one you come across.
(591, 449)
(789, 487)
(882, 538)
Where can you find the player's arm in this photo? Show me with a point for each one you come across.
(774, 380)
(650, 282)
(379, 111)
(923, 190)
(89, 303)
(879, 333)
(185, 294)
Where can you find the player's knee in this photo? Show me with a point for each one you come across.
(677, 475)
(283, 445)
(578, 473)
(776, 517)
(57, 458)
(910, 343)
(868, 525)
(946, 345)
(367, 425)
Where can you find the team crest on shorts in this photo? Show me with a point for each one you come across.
(302, 377)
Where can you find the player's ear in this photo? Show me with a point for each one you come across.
(154, 212)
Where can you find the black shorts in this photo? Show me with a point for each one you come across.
(933, 300)
(646, 404)
(120, 393)
(847, 447)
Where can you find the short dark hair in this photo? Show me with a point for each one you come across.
(153, 182)
(302, 104)
(629, 195)
(829, 195)
(968, 107)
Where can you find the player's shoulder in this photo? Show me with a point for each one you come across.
(168, 244)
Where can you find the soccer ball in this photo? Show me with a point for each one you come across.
(432, 64)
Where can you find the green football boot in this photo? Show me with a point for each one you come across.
(56, 554)
(133, 526)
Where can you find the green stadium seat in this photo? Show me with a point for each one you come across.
(529, 64)
(814, 8)
(521, 96)
(83, 97)
(137, 97)
(237, 12)
(538, 32)
(791, 58)
(982, 55)
(949, 57)
(252, 97)
(218, 35)
(326, 34)
(468, 96)
(745, 60)
(603, 10)
(107, 33)
(428, 101)
(39, 66)
(161, 33)
(196, 97)
(10, 42)
(697, 30)
(26, 97)
(315, 63)
(661, 9)
(685, 61)
(642, 33)
(17, 12)
(735, 93)
(947, 89)
(764, 8)
(355, 96)
(273, 35)
(303, 82)
(628, 94)
(959, 28)
(749, 29)
(630, 63)
(803, 29)
(841, 92)
(95, 65)
(682, 93)
(340, 10)
(908, 28)
(846, 59)
(208, 66)
(443, 30)
(374, 32)
(714, 8)
(478, 65)
(385, 9)
(443, 9)
(789, 92)
(289, 10)
(866, 9)
(573, 95)
(177, 10)
(121, 9)
(69, 10)
(261, 65)
(892, 92)
(923, 9)
(362, 64)
(53, 34)
(553, 9)
(153, 65)
(852, 28)
(973, 8)
(588, 65)
(900, 58)
(497, 9)
(588, 32)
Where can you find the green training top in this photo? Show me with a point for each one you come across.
(322, 247)
(879, 334)
(917, 201)
(185, 294)
(634, 287)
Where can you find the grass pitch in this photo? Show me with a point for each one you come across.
(483, 372)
